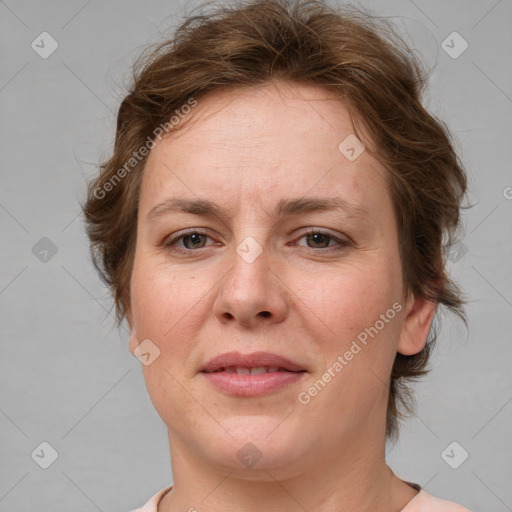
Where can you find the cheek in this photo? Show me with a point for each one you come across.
(165, 308)
(168, 308)
(162, 298)
(353, 380)
(360, 323)
(349, 300)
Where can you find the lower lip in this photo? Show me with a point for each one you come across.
(252, 385)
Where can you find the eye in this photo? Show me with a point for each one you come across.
(195, 239)
(320, 240)
(191, 240)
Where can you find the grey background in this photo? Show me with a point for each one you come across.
(66, 374)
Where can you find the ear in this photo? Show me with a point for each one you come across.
(419, 315)
(134, 342)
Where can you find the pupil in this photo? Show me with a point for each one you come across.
(318, 237)
(195, 238)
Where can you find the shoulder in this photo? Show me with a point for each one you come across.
(424, 502)
(152, 504)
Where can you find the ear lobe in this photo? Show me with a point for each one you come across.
(419, 317)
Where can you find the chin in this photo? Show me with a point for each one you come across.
(257, 445)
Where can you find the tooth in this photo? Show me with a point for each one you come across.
(258, 371)
(243, 371)
(230, 369)
(272, 369)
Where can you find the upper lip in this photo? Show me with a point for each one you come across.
(252, 360)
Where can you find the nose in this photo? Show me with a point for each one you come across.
(251, 294)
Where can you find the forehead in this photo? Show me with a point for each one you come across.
(280, 114)
(268, 139)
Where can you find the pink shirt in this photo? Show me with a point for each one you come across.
(422, 502)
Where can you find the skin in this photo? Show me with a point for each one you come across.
(246, 149)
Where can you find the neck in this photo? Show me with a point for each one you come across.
(355, 477)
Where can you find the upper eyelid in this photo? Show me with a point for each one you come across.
(189, 231)
(205, 231)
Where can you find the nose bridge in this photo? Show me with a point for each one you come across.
(248, 279)
(250, 292)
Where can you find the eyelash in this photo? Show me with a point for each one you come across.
(169, 244)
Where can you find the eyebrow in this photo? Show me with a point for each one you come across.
(285, 207)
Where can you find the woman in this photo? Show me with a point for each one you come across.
(271, 224)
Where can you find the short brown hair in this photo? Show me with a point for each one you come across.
(366, 63)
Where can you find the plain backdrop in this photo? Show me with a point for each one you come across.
(66, 375)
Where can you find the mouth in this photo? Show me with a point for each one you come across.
(256, 374)
(259, 370)
(244, 364)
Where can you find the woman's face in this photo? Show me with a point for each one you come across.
(274, 266)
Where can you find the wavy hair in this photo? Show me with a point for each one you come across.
(343, 49)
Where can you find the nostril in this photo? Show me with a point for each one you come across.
(266, 314)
